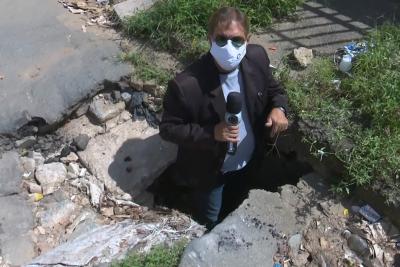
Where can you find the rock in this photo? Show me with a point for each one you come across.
(136, 84)
(57, 213)
(303, 56)
(103, 110)
(50, 176)
(294, 243)
(130, 157)
(73, 169)
(82, 109)
(85, 222)
(131, 7)
(33, 187)
(16, 220)
(123, 117)
(28, 167)
(96, 192)
(107, 211)
(39, 159)
(81, 141)
(126, 97)
(81, 125)
(10, 174)
(26, 142)
(150, 87)
(104, 244)
(251, 235)
(65, 151)
(72, 157)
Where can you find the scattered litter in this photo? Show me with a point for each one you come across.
(37, 197)
(357, 244)
(84, 28)
(103, 2)
(345, 64)
(1, 77)
(343, 57)
(76, 10)
(367, 212)
(345, 212)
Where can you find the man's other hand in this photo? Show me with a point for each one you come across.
(225, 133)
(277, 120)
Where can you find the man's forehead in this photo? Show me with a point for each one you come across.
(230, 28)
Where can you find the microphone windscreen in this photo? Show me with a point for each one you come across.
(234, 103)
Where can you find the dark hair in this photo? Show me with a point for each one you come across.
(224, 16)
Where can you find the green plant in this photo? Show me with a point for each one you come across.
(146, 71)
(359, 121)
(180, 26)
(159, 256)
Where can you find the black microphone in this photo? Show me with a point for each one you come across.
(232, 118)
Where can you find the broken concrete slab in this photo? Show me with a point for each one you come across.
(129, 157)
(10, 174)
(16, 220)
(252, 234)
(50, 176)
(81, 125)
(105, 244)
(131, 7)
(46, 81)
(103, 110)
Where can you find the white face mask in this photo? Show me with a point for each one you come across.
(228, 57)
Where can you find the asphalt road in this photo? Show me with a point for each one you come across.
(47, 63)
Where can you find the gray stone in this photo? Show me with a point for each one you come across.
(26, 142)
(250, 235)
(104, 244)
(303, 56)
(126, 97)
(57, 213)
(16, 220)
(73, 169)
(28, 167)
(294, 243)
(83, 108)
(10, 174)
(129, 157)
(50, 176)
(39, 159)
(33, 187)
(131, 7)
(81, 141)
(81, 125)
(72, 157)
(103, 109)
(47, 81)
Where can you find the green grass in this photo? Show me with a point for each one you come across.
(180, 26)
(361, 120)
(160, 256)
(145, 71)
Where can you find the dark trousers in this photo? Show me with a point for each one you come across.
(214, 204)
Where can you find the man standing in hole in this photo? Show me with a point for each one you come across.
(196, 117)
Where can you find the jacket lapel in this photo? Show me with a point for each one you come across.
(216, 93)
(249, 87)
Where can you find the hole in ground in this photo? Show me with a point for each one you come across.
(275, 171)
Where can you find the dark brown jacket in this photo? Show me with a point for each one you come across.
(194, 104)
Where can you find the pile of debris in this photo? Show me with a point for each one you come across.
(68, 178)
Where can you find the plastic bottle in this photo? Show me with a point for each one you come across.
(357, 244)
(345, 64)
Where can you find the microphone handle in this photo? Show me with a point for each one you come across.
(232, 147)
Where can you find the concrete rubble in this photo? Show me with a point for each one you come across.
(131, 7)
(290, 228)
(303, 56)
